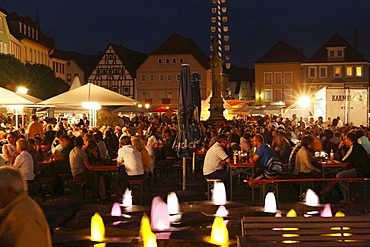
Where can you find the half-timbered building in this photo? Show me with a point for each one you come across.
(116, 69)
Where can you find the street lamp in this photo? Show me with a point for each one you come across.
(147, 106)
(21, 90)
(304, 102)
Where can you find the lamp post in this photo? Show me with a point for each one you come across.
(21, 90)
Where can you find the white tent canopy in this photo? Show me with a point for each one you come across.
(8, 97)
(89, 93)
(75, 84)
(205, 113)
(206, 104)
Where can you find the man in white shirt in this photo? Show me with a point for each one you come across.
(24, 160)
(214, 162)
(130, 162)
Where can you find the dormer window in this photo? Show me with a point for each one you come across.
(336, 52)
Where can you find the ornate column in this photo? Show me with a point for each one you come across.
(216, 103)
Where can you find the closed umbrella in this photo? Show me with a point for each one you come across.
(187, 125)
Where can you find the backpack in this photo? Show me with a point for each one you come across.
(274, 168)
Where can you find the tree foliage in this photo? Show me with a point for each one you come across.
(108, 119)
(39, 79)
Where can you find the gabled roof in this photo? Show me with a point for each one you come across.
(282, 52)
(176, 44)
(239, 75)
(86, 62)
(130, 58)
(350, 53)
(14, 19)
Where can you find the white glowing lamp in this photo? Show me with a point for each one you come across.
(23, 90)
(159, 216)
(127, 198)
(116, 210)
(97, 228)
(326, 212)
(148, 237)
(311, 198)
(270, 203)
(219, 194)
(91, 105)
(173, 203)
(304, 102)
(219, 234)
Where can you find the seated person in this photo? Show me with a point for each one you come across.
(80, 167)
(303, 166)
(130, 162)
(214, 162)
(262, 155)
(24, 160)
(354, 154)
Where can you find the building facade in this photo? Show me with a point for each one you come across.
(159, 76)
(116, 70)
(278, 75)
(336, 64)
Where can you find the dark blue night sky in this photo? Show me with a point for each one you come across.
(255, 25)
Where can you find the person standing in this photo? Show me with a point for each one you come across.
(22, 222)
(35, 128)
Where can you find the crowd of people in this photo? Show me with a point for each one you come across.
(288, 146)
(275, 144)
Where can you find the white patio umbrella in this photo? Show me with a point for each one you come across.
(16, 101)
(75, 84)
(90, 96)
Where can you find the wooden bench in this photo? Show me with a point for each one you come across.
(265, 183)
(304, 231)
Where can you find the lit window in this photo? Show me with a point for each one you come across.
(268, 95)
(359, 71)
(337, 71)
(268, 78)
(349, 71)
(312, 72)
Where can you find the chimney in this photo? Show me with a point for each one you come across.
(355, 39)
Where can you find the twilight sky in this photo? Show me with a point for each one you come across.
(255, 26)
